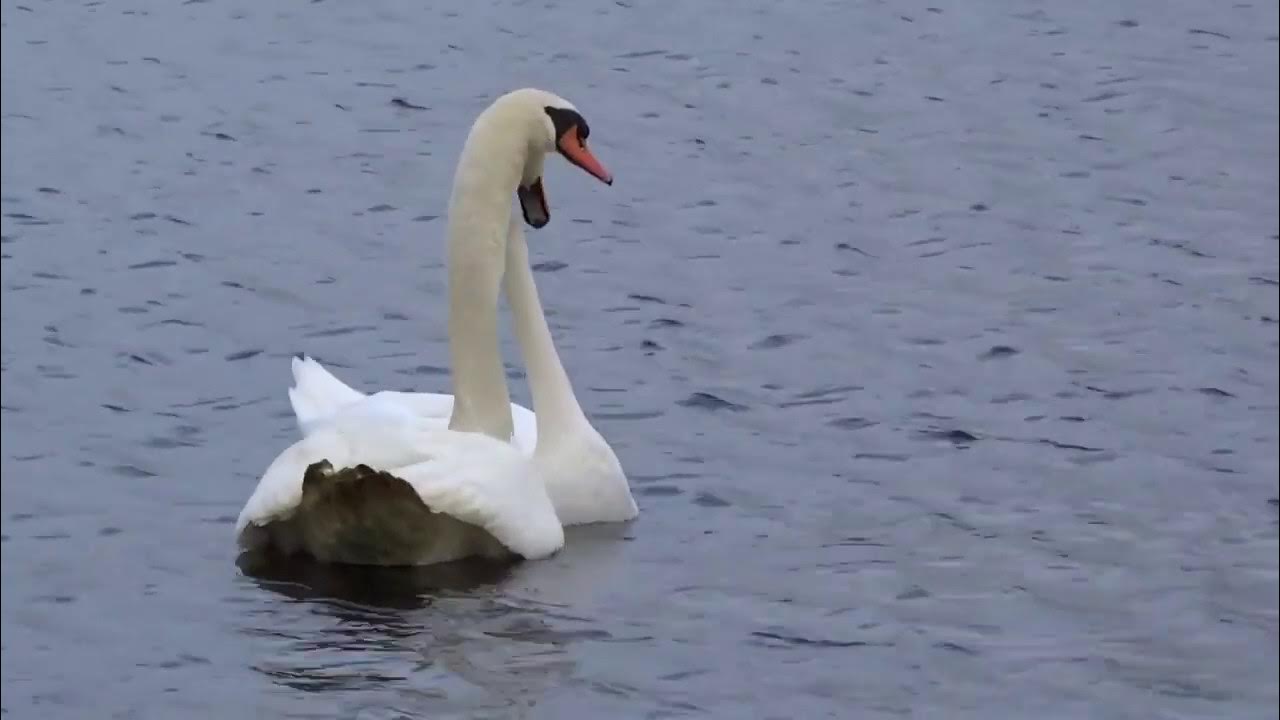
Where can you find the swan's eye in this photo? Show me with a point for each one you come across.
(564, 120)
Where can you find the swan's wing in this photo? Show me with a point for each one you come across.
(468, 476)
(316, 394)
(437, 407)
(361, 433)
(490, 484)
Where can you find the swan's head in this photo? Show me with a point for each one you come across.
(556, 126)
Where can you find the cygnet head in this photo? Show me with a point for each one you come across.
(563, 130)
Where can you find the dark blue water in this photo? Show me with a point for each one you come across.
(940, 343)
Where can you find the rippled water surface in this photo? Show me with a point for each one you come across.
(940, 343)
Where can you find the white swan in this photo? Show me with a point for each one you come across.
(582, 473)
(407, 491)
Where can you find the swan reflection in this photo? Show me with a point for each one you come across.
(433, 640)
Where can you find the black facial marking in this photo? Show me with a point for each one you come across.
(563, 119)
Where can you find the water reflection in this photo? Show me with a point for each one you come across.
(442, 639)
(333, 628)
(371, 587)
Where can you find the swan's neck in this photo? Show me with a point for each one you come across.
(493, 161)
(555, 405)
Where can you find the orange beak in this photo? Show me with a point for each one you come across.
(576, 152)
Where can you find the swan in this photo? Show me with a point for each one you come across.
(584, 478)
(375, 482)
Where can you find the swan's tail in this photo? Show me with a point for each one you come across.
(316, 393)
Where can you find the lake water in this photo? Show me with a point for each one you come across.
(940, 344)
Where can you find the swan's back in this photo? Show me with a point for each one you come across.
(376, 484)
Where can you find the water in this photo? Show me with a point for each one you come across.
(940, 344)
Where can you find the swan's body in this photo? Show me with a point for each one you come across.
(405, 493)
(383, 479)
(583, 476)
